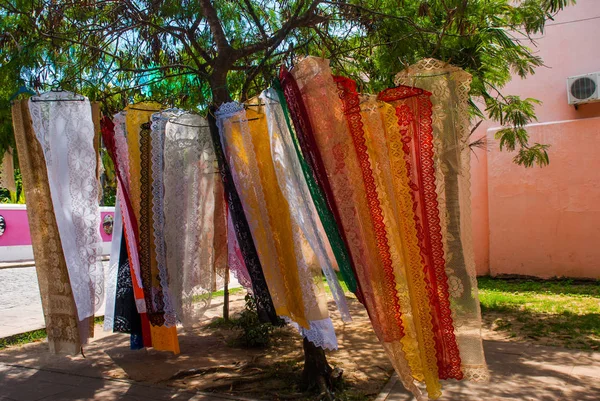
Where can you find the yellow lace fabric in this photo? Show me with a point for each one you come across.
(246, 143)
(383, 139)
(450, 86)
(58, 305)
(165, 339)
(139, 146)
(136, 115)
(334, 142)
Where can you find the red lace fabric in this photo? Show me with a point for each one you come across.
(310, 151)
(347, 93)
(450, 86)
(331, 138)
(108, 136)
(405, 281)
(414, 110)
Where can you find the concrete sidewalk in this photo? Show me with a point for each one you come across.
(522, 372)
(19, 383)
(519, 372)
(20, 302)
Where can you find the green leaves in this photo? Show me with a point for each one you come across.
(536, 154)
(516, 113)
(124, 51)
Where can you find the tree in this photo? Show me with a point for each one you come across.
(191, 53)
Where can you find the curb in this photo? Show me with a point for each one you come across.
(385, 391)
(31, 263)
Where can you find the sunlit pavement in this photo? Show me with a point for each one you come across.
(20, 302)
(522, 372)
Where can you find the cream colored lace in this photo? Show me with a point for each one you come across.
(450, 86)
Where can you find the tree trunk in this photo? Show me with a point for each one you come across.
(317, 373)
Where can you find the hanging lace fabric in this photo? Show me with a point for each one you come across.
(309, 231)
(450, 87)
(254, 178)
(413, 117)
(295, 189)
(220, 244)
(136, 115)
(60, 312)
(159, 122)
(189, 208)
(359, 215)
(316, 178)
(381, 119)
(113, 267)
(235, 259)
(7, 171)
(408, 277)
(163, 338)
(126, 319)
(65, 130)
(241, 230)
(116, 141)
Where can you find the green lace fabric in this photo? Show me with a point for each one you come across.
(330, 226)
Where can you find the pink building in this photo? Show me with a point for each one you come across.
(546, 222)
(15, 241)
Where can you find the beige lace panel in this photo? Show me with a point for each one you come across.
(450, 87)
(7, 172)
(53, 278)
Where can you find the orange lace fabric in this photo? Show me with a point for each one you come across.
(354, 191)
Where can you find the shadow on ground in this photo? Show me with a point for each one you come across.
(526, 372)
(207, 363)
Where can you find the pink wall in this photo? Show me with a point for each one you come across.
(105, 237)
(568, 47)
(546, 222)
(17, 226)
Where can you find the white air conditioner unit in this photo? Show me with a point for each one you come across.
(583, 88)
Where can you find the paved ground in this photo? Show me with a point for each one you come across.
(525, 373)
(27, 384)
(20, 303)
(520, 372)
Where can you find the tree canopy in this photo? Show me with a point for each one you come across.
(190, 53)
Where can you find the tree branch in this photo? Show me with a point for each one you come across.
(308, 18)
(210, 13)
(255, 19)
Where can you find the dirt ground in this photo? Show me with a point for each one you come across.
(209, 361)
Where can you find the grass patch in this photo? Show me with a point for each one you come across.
(553, 312)
(22, 339)
(221, 293)
(32, 336)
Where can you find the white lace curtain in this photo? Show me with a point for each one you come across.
(65, 129)
(189, 208)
